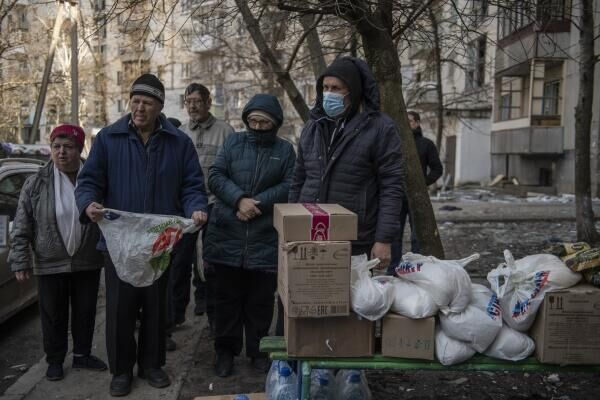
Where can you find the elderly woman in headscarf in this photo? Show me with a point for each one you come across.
(252, 172)
(48, 241)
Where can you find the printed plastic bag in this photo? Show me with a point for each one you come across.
(510, 345)
(140, 245)
(446, 281)
(479, 324)
(412, 301)
(451, 351)
(371, 298)
(521, 285)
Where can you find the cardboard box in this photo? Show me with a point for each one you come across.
(566, 327)
(408, 338)
(314, 278)
(321, 222)
(329, 337)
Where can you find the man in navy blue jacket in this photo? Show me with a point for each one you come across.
(141, 163)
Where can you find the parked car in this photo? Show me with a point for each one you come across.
(14, 296)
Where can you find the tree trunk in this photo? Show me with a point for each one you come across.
(586, 230)
(437, 62)
(315, 49)
(267, 56)
(381, 55)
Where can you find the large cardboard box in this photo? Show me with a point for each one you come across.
(408, 338)
(348, 336)
(322, 222)
(567, 326)
(314, 278)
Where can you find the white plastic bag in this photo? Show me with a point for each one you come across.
(521, 285)
(412, 301)
(479, 324)
(511, 345)
(370, 298)
(140, 245)
(451, 351)
(446, 281)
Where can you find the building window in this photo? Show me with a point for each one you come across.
(99, 5)
(219, 94)
(120, 105)
(551, 99)
(475, 70)
(186, 70)
(510, 98)
(119, 77)
(513, 18)
(550, 10)
(181, 101)
(479, 11)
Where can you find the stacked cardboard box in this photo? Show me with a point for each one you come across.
(314, 281)
(567, 325)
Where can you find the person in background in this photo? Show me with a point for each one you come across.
(48, 240)
(252, 172)
(142, 164)
(432, 171)
(208, 134)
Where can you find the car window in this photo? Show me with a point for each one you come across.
(10, 188)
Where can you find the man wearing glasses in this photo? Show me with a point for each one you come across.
(207, 134)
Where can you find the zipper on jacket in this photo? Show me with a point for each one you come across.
(252, 183)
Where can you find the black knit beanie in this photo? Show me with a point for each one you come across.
(344, 69)
(148, 85)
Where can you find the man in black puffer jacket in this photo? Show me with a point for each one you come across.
(349, 154)
(432, 171)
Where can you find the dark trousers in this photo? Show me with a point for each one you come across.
(180, 274)
(205, 290)
(244, 305)
(55, 293)
(123, 302)
(397, 245)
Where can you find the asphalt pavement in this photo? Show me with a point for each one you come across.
(81, 384)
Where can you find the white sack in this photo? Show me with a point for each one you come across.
(521, 285)
(446, 281)
(479, 324)
(411, 300)
(371, 298)
(511, 345)
(140, 245)
(451, 351)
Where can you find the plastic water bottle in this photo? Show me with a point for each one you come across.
(285, 387)
(272, 377)
(322, 385)
(352, 387)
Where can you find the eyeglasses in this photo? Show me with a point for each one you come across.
(195, 102)
(259, 122)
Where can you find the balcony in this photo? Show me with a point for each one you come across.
(200, 44)
(530, 140)
(133, 53)
(421, 93)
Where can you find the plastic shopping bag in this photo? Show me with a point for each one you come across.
(140, 245)
(446, 281)
(510, 345)
(412, 301)
(451, 351)
(521, 285)
(371, 298)
(479, 324)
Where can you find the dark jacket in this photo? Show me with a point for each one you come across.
(249, 166)
(429, 157)
(35, 228)
(163, 177)
(362, 171)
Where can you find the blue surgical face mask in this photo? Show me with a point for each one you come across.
(333, 104)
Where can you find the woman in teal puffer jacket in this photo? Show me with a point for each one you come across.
(252, 172)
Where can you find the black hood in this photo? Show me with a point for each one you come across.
(418, 132)
(359, 78)
(267, 103)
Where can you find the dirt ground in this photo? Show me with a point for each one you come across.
(489, 239)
